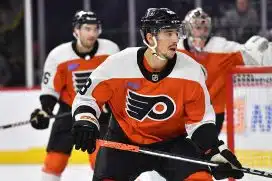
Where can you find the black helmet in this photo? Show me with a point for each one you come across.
(85, 17)
(159, 18)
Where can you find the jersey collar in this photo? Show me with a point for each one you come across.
(87, 55)
(154, 76)
(186, 43)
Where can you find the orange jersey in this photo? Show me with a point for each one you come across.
(218, 57)
(149, 106)
(66, 70)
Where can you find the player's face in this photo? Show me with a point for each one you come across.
(88, 34)
(167, 42)
(199, 33)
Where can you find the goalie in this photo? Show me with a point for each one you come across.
(218, 56)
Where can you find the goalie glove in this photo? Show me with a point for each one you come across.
(228, 163)
(39, 119)
(254, 50)
(85, 131)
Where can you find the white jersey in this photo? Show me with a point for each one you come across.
(217, 45)
(220, 45)
(66, 70)
(148, 106)
(218, 57)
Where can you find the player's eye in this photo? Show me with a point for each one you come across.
(169, 34)
(87, 28)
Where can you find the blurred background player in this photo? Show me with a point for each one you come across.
(66, 70)
(217, 55)
(158, 100)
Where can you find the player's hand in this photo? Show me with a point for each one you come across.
(85, 134)
(39, 119)
(257, 42)
(254, 50)
(227, 160)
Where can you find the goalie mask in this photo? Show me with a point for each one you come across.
(199, 28)
(157, 19)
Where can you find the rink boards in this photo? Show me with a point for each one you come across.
(24, 145)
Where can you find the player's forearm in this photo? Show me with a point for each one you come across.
(86, 112)
(205, 136)
(48, 98)
(48, 103)
(84, 109)
(49, 90)
(85, 105)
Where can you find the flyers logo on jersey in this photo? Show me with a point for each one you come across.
(80, 79)
(157, 108)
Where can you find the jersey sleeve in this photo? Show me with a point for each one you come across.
(96, 92)
(198, 108)
(232, 46)
(108, 47)
(53, 76)
(115, 49)
(250, 53)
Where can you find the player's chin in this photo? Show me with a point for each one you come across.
(89, 44)
(171, 54)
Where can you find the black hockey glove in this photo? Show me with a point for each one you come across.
(205, 137)
(39, 119)
(227, 160)
(85, 134)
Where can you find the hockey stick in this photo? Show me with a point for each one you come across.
(137, 149)
(12, 125)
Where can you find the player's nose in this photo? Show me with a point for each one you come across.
(175, 38)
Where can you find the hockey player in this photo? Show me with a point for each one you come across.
(157, 100)
(217, 55)
(66, 70)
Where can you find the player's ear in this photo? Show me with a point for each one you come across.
(149, 39)
(76, 32)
